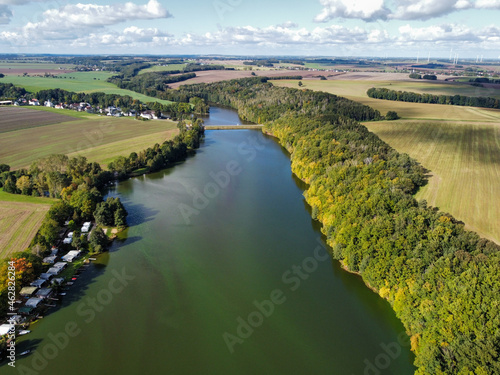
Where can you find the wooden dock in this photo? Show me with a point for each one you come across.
(232, 127)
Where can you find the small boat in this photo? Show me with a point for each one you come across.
(23, 332)
(62, 294)
(25, 352)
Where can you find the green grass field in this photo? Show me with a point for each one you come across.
(20, 219)
(159, 68)
(77, 82)
(464, 160)
(18, 66)
(100, 138)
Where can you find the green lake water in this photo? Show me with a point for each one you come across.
(222, 271)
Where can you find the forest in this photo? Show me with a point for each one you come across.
(413, 97)
(441, 280)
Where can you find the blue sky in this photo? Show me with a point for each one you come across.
(243, 27)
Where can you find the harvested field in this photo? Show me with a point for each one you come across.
(19, 223)
(15, 118)
(209, 76)
(464, 160)
(81, 136)
(356, 90)
(9, 68)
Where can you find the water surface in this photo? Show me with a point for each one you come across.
(209, 241)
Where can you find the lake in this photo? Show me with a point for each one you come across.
(222, 271)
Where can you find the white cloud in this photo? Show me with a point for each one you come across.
(438, 33)
(74, 20)
(400, 9)
(367, 10)
(93, 15)
(425, 9)
(488, 4)
(279, 35)
(277, 38)
(5, 15)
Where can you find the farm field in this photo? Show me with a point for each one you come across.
(10, 68)
(209, 76)
(460, 146)
(464, 160)
(93, 136)
(77, 82)
(106, 153)
(160, 68)
(356, 90)
(17, 118)
(20, 219)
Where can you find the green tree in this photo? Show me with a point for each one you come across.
(24, 185)
(391, 115)
(97, 240)
(104, 214)
(120, 217)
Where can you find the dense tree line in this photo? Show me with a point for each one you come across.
(413, 97)
(441, 280)
(150, 81)
(9, 91)
(277, 78)
(259, 101)
(161, 156)
(484, 80)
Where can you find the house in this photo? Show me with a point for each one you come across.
(34, 102)
(61, 265)
(57, 280)
(34, 302)
(28, 291)
(71, 256)
(39, 283)
(150, 115)
(44, 293)
(86, 227)
(49, 104)
(5, 329)
(67, 240)
(54, 271)
(59, 106)
(46, 276)
(50, 259)
(70, 235)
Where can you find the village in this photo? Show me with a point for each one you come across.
(88, 108)
(44, 292)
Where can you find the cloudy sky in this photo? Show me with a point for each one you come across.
(257, 27)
